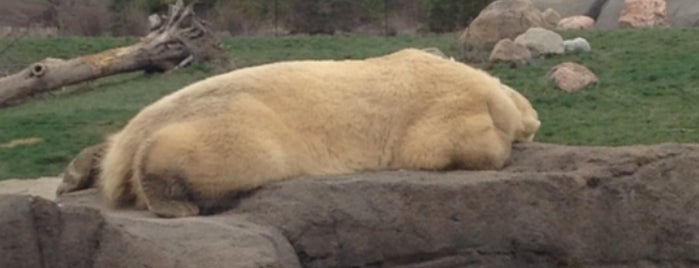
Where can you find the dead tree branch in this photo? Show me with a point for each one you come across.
(175, 40)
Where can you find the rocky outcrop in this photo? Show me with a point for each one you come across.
(35, 232)
(644, 14)
(553, 206)
(572, 77)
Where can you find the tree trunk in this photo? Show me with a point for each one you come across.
(175, 40)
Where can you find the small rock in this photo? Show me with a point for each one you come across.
(571, 77)
(509, 51)
(577, 44)
(576, 23)
(541, 41)
(551, 17)
(644, 14)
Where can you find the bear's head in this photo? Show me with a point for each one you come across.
(530, 118)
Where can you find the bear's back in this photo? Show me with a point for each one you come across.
(376, 95)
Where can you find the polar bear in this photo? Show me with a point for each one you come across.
(234, 132)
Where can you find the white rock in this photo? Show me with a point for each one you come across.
(577, 44)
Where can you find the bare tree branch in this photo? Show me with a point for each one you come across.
(180, 41)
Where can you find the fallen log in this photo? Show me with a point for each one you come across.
(175, 40)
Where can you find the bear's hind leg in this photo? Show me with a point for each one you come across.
(480, 145)
(465, 142)
(167, 195)
(160, 178)
(488, 151)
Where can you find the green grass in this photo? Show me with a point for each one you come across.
(646, 95)
(648, 90)
(254, 51)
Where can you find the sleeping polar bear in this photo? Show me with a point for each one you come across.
(237, 131)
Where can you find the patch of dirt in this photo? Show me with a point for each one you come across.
(22, 142)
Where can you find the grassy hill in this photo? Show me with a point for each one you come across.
(647, 93)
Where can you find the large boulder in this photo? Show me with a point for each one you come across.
(541, 41)
(681, 13)
(35, 232)
(565, 7)
(553, 206)
(644, 14)
(499, 20)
